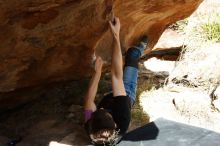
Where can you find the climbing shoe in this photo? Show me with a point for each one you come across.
(142, 45)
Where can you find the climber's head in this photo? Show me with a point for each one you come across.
(101, 127)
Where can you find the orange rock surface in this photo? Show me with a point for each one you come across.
(44, 41)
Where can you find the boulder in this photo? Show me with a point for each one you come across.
(44, 41)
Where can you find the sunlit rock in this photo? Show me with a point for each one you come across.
(44, 41)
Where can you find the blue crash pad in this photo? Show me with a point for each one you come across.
(164, 132)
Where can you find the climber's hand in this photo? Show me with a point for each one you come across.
(115, 27)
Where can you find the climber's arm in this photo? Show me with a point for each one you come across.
(117, 62)
(93, 86)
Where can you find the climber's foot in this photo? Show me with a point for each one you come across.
(142, 45)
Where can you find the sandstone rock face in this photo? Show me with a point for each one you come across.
(48, 40)
(52, 40)
(44, 41)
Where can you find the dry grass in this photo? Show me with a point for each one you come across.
(198, 68)
(199, 64)
(186, 96)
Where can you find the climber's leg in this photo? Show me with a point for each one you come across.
(131, 68)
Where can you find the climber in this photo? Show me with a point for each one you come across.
(111, 118)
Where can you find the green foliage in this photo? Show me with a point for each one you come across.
(207, 28)
(212, 31)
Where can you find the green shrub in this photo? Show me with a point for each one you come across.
(212, 31)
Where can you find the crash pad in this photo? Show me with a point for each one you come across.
(163, 132)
